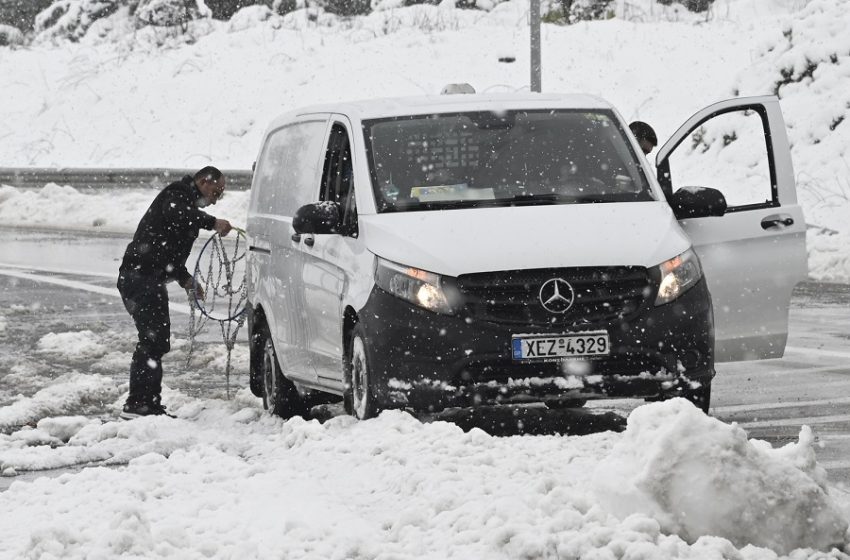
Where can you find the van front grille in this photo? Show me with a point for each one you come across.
(599, 295)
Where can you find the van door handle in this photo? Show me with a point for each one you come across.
(254, 248)
(776, 220)
(295, 237)
(309, 241)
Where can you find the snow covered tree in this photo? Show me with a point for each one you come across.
(10, 36)
(169, 13)
(584, 10)
(21, 13)
(346, 7)
(282, 7)
(572, 11)
(224, 9)
(692, 5)
(70, 19)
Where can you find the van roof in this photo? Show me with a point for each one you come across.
(424, 105)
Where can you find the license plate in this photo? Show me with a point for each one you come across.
(531, 347)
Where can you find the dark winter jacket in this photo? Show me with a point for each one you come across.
(167, 232)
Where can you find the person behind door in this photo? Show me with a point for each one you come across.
(645, 136)
(157, 255)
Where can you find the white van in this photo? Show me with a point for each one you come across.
(472, 249)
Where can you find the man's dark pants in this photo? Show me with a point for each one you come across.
(146, 299)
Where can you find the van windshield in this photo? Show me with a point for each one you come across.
(512, 158)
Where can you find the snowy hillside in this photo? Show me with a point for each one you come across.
(124, 97)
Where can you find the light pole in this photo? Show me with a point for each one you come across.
(535, 45)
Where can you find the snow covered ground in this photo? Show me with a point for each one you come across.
(225, 480)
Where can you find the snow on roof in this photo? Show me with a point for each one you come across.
(429, 104)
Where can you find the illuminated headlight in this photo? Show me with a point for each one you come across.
(678, 275)
(412, 284)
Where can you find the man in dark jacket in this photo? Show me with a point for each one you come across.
(156, 256)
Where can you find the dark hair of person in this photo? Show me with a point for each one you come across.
(643, 131)
(209, 172)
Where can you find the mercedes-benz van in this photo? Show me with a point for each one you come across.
(473, 249)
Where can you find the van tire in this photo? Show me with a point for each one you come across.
(701, 396)
(255, 353)
(359, 394)
(280, 397)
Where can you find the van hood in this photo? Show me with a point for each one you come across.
(464, 241)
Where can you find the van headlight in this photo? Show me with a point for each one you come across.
(678, 275)
(412, 284)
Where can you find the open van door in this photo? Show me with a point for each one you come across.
(755, 253)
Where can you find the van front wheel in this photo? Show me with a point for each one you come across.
(280, 397)
(700, 396)
(359, 397)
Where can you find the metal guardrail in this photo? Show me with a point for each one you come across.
(100, 178)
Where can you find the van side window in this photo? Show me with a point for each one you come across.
(338, 179)
(263, 191)
(287, 169)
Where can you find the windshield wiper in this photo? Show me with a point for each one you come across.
(592, 199)
(531, 199)
(615, 197)
(413, 204)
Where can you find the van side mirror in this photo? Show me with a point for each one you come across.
(318, 217)
(697, 202)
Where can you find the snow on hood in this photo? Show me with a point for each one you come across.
(698, 476)
(455, 242)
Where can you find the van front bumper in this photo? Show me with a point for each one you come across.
(430, 361)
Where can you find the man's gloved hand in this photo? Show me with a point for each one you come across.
(198, 290)
(223, 227)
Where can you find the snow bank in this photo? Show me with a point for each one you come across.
(100, 210)
(698, 476)
(829, 254)
(63, 428)
(67, 392)
(82, 344)
(226, 480)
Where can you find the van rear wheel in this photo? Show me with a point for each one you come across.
(280, 397)
(359, 397)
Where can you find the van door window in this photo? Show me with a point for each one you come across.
(287, 169)
(338, 179)
(728, 152)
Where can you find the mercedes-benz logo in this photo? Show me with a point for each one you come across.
(556, 295)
